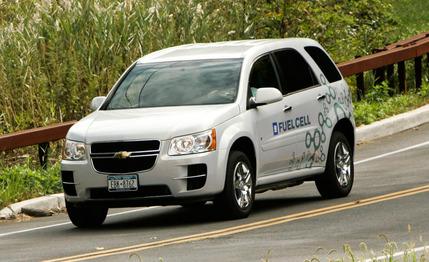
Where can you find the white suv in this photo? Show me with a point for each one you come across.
(212, 122)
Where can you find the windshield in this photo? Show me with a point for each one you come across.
(178, 83)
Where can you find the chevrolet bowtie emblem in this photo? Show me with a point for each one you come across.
(122, 155)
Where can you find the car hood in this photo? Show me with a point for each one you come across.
(159, 123)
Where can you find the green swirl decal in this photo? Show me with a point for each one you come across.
(341, 103)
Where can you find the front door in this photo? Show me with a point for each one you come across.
(275, 123)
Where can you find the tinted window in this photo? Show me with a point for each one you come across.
(178, 83)
(324, 62)
(295, 73)
(262, 75)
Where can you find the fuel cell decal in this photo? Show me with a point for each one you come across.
(290, 124)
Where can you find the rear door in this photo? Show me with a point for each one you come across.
(302, 93)
(336, 97)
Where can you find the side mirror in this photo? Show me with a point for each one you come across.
(97, 102)
(265, 95)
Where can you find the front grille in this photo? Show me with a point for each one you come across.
(148, 145)
(129, 165)
(124, 157)
(143, 191)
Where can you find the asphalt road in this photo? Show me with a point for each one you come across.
(287, 225)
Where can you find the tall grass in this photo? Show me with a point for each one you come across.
(56, 55)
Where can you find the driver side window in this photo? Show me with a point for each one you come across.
(262, 75)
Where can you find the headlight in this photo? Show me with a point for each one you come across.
(195, 143)
(74, 150)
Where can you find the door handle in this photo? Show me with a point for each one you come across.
(321, 97)
(287, 108)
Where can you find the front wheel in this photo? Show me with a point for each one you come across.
(237, 198)
(337, 181)
(86, 216)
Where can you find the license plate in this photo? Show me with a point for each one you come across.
(122, 183)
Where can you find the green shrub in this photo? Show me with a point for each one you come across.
(378, 93)
(376, 107)
(424, 91)
(23, 181)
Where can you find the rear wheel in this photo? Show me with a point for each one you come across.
(337, 181)
(85, 216)
(237, 199)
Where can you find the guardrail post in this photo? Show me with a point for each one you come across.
(360, 84)
(418, 71)
(43, 154)
(379, 75)
(390, 79)
(402, 77)
(427, 58)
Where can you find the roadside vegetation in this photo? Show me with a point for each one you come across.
(378, 104)
(56, 55)
(390, 252)
(25, 180)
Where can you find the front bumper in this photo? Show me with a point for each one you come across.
(170, 181)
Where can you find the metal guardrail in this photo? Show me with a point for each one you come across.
(40, 136)
(391, 54)
(382, 62)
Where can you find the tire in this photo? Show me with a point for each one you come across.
(233, 202)
(86, 217)
(337, 181)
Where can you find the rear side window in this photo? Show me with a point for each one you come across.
(324, 62)
(262, 75)
(294, 71)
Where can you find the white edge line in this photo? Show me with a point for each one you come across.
(397, 254)
(145, 208)
(392, 153)
(33, 229)
(69, 223)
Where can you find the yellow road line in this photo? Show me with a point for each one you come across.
(245, 227)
